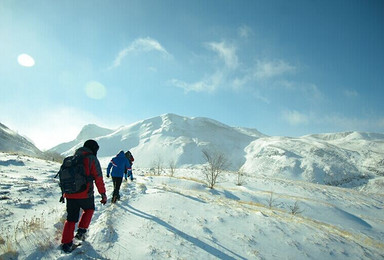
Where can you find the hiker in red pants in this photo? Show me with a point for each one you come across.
(85, 199)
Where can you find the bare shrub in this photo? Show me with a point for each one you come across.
(271, 201)
(295, 209)
(8, 243)
(32, 225)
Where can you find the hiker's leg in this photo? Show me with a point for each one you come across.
(69, 229)
(88, 206)
(118, 184)
(115, 191)
(130, 175)
(73, 211)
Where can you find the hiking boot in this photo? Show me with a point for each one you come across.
(67, 248)
(81, 234)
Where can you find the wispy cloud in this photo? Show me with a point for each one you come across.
(270, 69)
(266, 71)
(232, 74)
(294, 117)
(139, 45)
(226, 52)
(244, 31)
(208, 84)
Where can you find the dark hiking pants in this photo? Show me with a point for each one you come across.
(116, 185)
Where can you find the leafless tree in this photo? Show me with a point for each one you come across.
(172, 167)
(158, 165)
(240, 177)
(217, 162)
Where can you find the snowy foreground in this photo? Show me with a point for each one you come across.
(162, 217)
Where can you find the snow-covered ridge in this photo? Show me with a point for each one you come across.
(349, 159)
(281, 209)
(172, 137)
(163, 217)
(324, 159)
(10, 141)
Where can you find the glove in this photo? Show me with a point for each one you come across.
(103, 198)
(62, 199)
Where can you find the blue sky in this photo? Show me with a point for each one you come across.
(286, 68)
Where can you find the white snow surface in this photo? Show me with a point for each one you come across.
(349, 159)
(164, 217)
(169, 137)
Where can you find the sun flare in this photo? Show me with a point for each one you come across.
(25, 60)
(95, 90)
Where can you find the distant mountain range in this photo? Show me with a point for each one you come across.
(12, 142)
(168, 138)
(349, 158)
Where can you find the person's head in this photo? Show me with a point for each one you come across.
(92, 145)
(128, 155)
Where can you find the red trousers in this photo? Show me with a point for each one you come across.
(73, 210)
(69, 226)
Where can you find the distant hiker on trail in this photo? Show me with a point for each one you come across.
(85, 199)
(130, 158)
(119, 165)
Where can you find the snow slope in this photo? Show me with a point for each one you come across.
(88, 132)
(170, 137)
(340, 159)
(163, 217)
(10, 141)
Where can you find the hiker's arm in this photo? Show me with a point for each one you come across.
(110, 164)
(109, 168)
(128, 166)
(98, 176)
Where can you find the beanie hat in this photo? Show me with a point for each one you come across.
(92, 145)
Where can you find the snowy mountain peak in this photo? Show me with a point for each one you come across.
(350, 158)
(171, 137)
(92, 131)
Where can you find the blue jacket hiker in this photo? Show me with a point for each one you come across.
(130, 158)
(119, 164)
